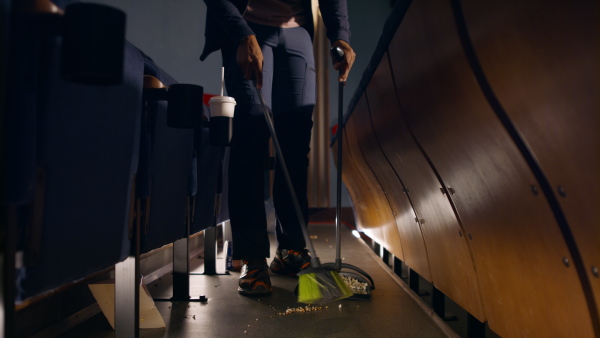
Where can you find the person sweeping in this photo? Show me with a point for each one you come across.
(267, 45)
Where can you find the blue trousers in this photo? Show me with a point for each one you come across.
(289, 87)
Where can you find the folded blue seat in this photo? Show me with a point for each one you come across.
(223, 212)
(167, 166)
(84, 144)
(209, 177)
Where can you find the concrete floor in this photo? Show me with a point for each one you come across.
(391, 311)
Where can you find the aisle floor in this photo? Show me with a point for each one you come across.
(391, 311)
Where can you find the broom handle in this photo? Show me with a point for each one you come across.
(338, 54)
(314, 259)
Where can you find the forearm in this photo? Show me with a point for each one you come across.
(335, 17)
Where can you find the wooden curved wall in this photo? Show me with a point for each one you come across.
(476, 140)
(374, 214)
(549, 86)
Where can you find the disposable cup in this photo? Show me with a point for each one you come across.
(221, 119)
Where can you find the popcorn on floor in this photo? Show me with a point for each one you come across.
(354, 284)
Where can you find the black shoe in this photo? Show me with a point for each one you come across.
(255, 278)
(290, 262)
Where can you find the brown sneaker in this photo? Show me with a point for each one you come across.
(290, 262)
(255, 278)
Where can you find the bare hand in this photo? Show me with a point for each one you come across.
(346, 63)
(250, 59)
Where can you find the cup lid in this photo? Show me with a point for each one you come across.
(221, 99)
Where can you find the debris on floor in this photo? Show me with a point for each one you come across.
(355, 285)
(300, 309)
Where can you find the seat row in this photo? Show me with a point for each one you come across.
(89, 162)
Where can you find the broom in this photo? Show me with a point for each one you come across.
(317, 284)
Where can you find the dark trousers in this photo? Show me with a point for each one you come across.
(289, 82)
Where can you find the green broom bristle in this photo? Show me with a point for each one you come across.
(308, 290)
(319, 285)
(342, 286)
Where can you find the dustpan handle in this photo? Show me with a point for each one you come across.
(338, 54)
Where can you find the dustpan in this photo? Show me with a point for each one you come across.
(348, 271)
